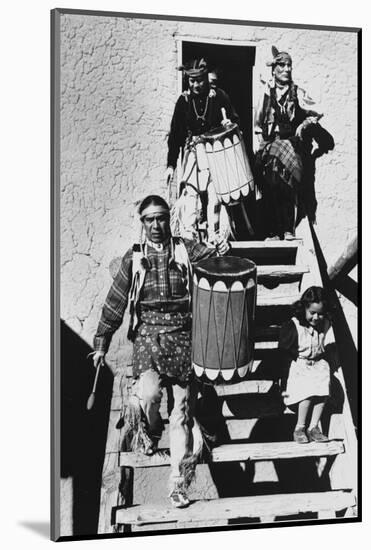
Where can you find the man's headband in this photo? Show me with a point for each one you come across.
(197, 67)
(279, 57)
(154, 209)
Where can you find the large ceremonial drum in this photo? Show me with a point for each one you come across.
(224, 299)
(228, 163)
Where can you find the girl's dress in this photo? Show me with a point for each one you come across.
(309, 373)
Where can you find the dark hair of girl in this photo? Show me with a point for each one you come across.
(156, 200)
(313, 294)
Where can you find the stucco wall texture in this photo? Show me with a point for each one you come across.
(119, 84)
(118, 89)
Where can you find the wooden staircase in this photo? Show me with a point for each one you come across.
(275, 478)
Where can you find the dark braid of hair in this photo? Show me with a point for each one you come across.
(313, 294)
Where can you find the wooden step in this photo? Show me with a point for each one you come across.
(274, 451)
(268, 345)
(246, 386)
(261, 506)
(241, 452)
(281, 272)
(271, 299)
(265, 245)
(269, 252)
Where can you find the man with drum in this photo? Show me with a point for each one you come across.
(199, 109)
(155, 278)
(283, 131)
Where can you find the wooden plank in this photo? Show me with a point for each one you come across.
(266, 345)
(274, 451)
(139, 460)
(240, 507)
(247, 386)
(307, 255)
(342, 426)
(278, 287)
(111, 475)
(109, 494)
(239, 452)
(113, 435)
(271, 299)
(281, 271)
(266, 244)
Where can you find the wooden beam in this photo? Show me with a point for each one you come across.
(271, 299)
(240, 507)
(307, 256)
(274, 451)
(240, 452)
(346, 261)
(266, 345)
(247, 386)
(110, 494)
(281, 271)
(266, 244)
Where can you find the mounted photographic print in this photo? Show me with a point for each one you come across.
(205, 185)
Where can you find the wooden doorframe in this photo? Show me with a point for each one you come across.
(179, 39)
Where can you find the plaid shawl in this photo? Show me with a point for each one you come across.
(289, 163)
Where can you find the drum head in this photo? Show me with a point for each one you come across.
(220, 132)
(227, 268)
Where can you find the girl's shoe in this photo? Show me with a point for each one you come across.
(315, 434)
(300, 436)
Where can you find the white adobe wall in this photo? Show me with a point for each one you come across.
(119, 85)
(118, 89)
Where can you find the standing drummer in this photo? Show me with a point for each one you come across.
(197, 110)
(155, 277)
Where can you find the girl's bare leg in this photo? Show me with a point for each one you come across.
(303, 410)
(317, 413)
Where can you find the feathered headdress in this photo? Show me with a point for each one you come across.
(194, 68)
(279, 57)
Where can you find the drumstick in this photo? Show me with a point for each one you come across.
(249, 227)
(91, 399)
(224, 113)
(219, 237)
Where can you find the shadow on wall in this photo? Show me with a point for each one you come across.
(83, 433)
(347, 351)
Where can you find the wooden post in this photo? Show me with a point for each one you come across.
(114, 478)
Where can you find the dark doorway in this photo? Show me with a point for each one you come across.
(233, 65)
